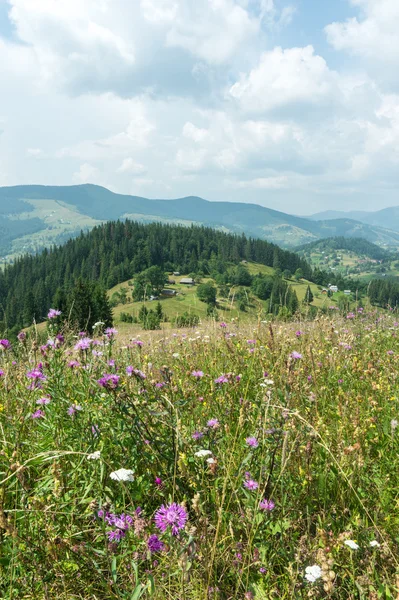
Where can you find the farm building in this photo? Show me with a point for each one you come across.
(167, 292)
(187, 281)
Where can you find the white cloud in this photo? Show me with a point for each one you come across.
(86, 174)
(283, 78)
(72, 41)
(180, 97)
(34, 152)
(136, 134)
(192, 132)
(131, 166)
(373, 35)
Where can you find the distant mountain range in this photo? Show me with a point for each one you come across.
(33, 217)
(387, 217)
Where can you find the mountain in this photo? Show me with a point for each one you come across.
(114, 252)
(358, 246)
(34, 217)
(387, 217)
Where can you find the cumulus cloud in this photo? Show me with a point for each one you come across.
(131, 166)
(86, 174)
(180, 97)
(72, 41)
(373, 35)
(284, 77)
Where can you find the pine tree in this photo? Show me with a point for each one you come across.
(159, 311)
(308, 296)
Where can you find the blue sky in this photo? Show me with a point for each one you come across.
(293, 104)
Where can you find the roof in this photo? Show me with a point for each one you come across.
(187, 280)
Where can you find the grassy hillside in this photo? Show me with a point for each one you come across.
(63, 211)
(272, 452)
(186, 300)
(351, 257)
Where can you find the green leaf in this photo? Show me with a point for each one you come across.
(138, 592)
(114, 571)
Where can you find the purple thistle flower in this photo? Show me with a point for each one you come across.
(266, 505)
(109, 381)
(222, 379)
(295, 355)
(252, 441)
(84, 343)
(298, 333)
(1, 373)
(173, 516)
(73, 364)
(138, 343)
(59, 340)
(110, 332)
(251, 484)
(158, 482)
(44, 401)
(197, 435)
(136, 372)
(223, 324)
(154, 544)
(197, 374)
(21, 336)
(37, 377)
(53, 313)
(213, 423)
(116, 535)
(5, 344)
(121, 523)
(73, 409)
(37, 415)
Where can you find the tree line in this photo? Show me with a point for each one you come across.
(116, 251)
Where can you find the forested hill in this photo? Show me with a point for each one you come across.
(358, 245)
(114, 252)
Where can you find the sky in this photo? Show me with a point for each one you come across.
(292, 104)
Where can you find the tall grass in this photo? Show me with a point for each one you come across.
(300, 427)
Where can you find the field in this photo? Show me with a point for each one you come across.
(245, 461)
(352, 264)
(186, 299)
(62, 222)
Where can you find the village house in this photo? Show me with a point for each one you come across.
(187, 281)
(167, 292)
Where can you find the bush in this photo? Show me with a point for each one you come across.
(151, 321)
(186, 320)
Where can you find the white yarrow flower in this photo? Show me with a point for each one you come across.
(375, 544)
(210, 461)
(122, 475)
(203, 453)
(94, 456)
(351, 544)
(313, 573)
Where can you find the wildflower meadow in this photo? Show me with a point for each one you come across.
(229, 462)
